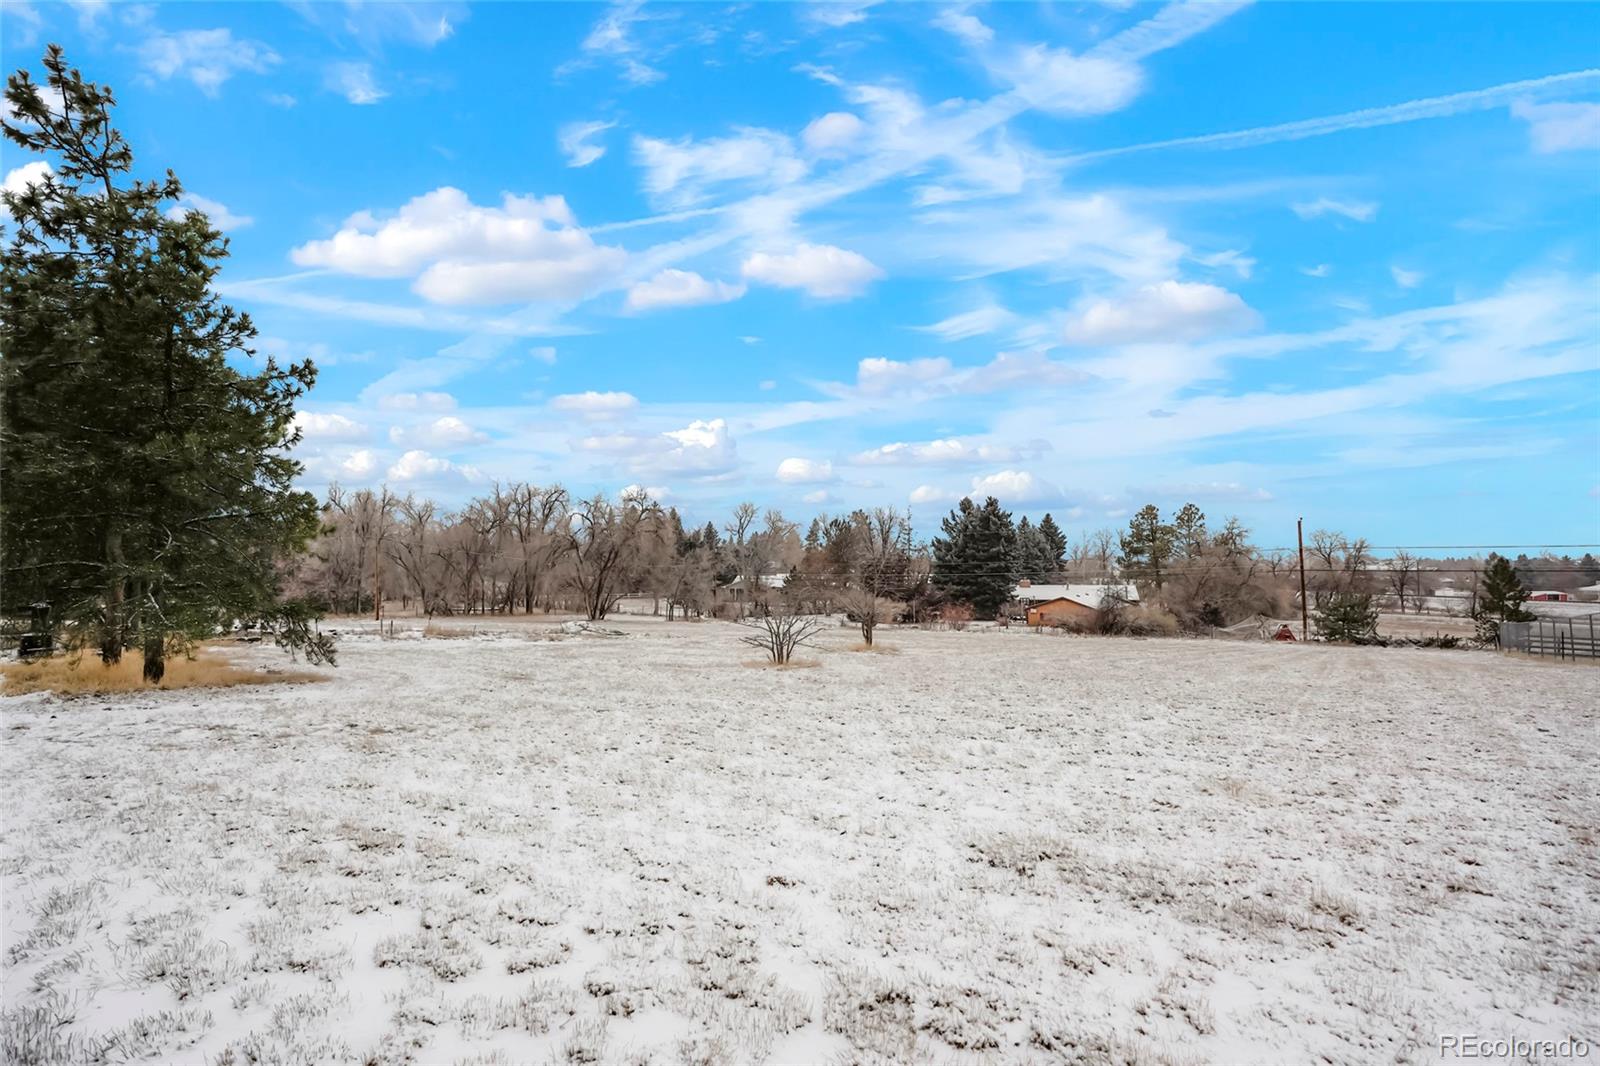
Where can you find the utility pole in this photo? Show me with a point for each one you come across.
(1305, 611)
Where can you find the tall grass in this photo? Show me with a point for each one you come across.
(69, 675)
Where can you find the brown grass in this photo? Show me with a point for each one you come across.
(86, 675)
(792, 664)
(881, 649)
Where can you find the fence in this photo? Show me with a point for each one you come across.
(1564, 638)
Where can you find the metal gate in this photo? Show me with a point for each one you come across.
(1564, 638)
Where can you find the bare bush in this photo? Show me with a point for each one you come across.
(867, 611)
(779, 632)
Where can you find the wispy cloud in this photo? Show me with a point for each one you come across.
(1366, 118)
(1355, 210)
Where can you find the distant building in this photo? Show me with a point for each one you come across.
(1046, 605)
(739, 589)
(1589, 593)
(1549, 596)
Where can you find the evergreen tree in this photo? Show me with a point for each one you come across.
(1348, 617)
(975, 561)
(1147, 547)
(149, 494)
(1500, 599)
(1057, 541)
(1189, 531)
(1035, 556)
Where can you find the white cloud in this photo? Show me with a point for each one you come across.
(1406, 279)
(613, 36)
(578, 144)
(19, 179)
(654, 492)
(1170, 311)
(316, 426)
(683, 171)
(418, 465)
(595, 404)
(1321, 270)
(797, 471)
(1057, 81)
(878, 376)
(703, 447)
(819, 496)
(1012, 486)
(353, 81)
(1560, 127)
(359, 463)
(767, 385)
(969, 28)
(544, 353)
(951, 451)
(1355, 210)
(215, 210)
(838, 13)
(931, 494)
(974, 323)
(417, 401)
(283, 100)
(208, 58)
(1240, 263)
(832, 134)
(527, 249)
(820, 269)
(447, 431)
(680, 288)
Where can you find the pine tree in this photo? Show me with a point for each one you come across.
(1349, 618)
(1057, 541)
(1500, 599)
(1147, 546)
(149, 495)
(1035, 556)
(975, 561)
(1189, 531)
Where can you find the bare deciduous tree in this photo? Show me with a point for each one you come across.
(779, 632)
(867, 610)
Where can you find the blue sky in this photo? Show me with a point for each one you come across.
(1324, 259)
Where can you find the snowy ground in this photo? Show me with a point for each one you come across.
(992, 846)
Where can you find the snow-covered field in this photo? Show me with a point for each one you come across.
(991, 846)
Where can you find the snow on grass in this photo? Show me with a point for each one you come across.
(991, 846)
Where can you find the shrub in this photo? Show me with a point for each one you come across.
(780, 633)
(1348, 618)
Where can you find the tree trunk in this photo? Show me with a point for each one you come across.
(155, 657)
(111, 636)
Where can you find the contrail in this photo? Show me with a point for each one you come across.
(1432, 107)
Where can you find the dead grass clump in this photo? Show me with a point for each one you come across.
(434, 631)
(792, 664)
(881, 649)
(67, 675)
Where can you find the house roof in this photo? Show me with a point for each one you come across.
(769, 581)
(1087, 595)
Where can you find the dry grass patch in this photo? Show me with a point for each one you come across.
(881, 649)
(68, 675)
(792, 664)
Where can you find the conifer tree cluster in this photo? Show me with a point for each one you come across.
(977, 559)
(148, 494)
